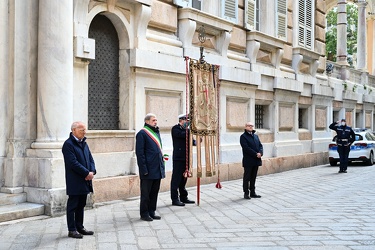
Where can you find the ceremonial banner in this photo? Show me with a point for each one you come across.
(204, 110)
(203, 98)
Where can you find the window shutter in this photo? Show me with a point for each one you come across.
(281, 19)
(182, 3)
(305, 23)
(196, 4)
(309, 24)
(301, 23)
(229, 10)
(250, 14)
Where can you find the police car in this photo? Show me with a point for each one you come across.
(362, 149)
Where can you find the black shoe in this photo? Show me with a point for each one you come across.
(155, 217)
(75, 234)
(178, 203)
(187, 201)
(246, 196)
(83, 231)
(344, 171)
(254, 195)
(341, 171)
(146, 218)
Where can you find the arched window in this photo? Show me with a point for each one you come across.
(103, 86)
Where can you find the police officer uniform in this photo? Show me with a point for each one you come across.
(345, 137)
(179, 136)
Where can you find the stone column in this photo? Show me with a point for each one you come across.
(361, 35)
(4, 83)
(371, 44)
(55, 73)
(341, 32)
(44, 164)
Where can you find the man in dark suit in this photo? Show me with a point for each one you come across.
(252, 150)
(79, 172)
(151, 166)
(180, 136)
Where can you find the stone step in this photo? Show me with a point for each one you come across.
(19, 211)
(8, 199)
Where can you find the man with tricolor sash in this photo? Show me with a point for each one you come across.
(151, 166)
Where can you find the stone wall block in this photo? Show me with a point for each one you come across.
(237, 113)
(320, 19)
(320, 6)
(320, 34)
(235, 171)
(288, 53)
(238, 39)
(32, 173)
(163, 16)
(112, 144)
(224, 172)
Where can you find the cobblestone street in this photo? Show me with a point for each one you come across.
(310, 208)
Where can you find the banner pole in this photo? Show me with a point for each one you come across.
(198, 189)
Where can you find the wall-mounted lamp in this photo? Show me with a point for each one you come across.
(202, 39)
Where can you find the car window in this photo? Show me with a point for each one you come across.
(369, 136)
(358, 137)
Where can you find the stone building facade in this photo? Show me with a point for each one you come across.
(109, 62)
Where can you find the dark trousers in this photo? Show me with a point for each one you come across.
(178, 181)
(74, 211)
(344, 156)
(149, 196)
(249, 177)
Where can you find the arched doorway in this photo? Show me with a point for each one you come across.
(103, 79)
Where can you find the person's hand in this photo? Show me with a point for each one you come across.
(259, 155)
(90, 176)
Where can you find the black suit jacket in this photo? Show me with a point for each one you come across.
(149, 156)
(251, 145)
(78, 163)
(179, 135)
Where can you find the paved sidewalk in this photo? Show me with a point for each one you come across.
(310, 208)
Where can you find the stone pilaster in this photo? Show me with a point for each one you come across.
(361, 35)
(55, 72)
(341, 32)
(4, 85)
(21, 89)
(44, 172)
(371, 44)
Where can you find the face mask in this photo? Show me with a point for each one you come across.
(343, 123)
(186, 124)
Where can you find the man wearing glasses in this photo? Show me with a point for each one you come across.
(252, 150)
(79, 172)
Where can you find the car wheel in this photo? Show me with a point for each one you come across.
(333, 163)
(370, 161)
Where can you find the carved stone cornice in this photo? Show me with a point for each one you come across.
(259, 41)
(307, 56)
(217, 29)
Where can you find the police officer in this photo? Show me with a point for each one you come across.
(345, 137)
(180, 133)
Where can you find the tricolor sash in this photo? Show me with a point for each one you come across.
(154, 137)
